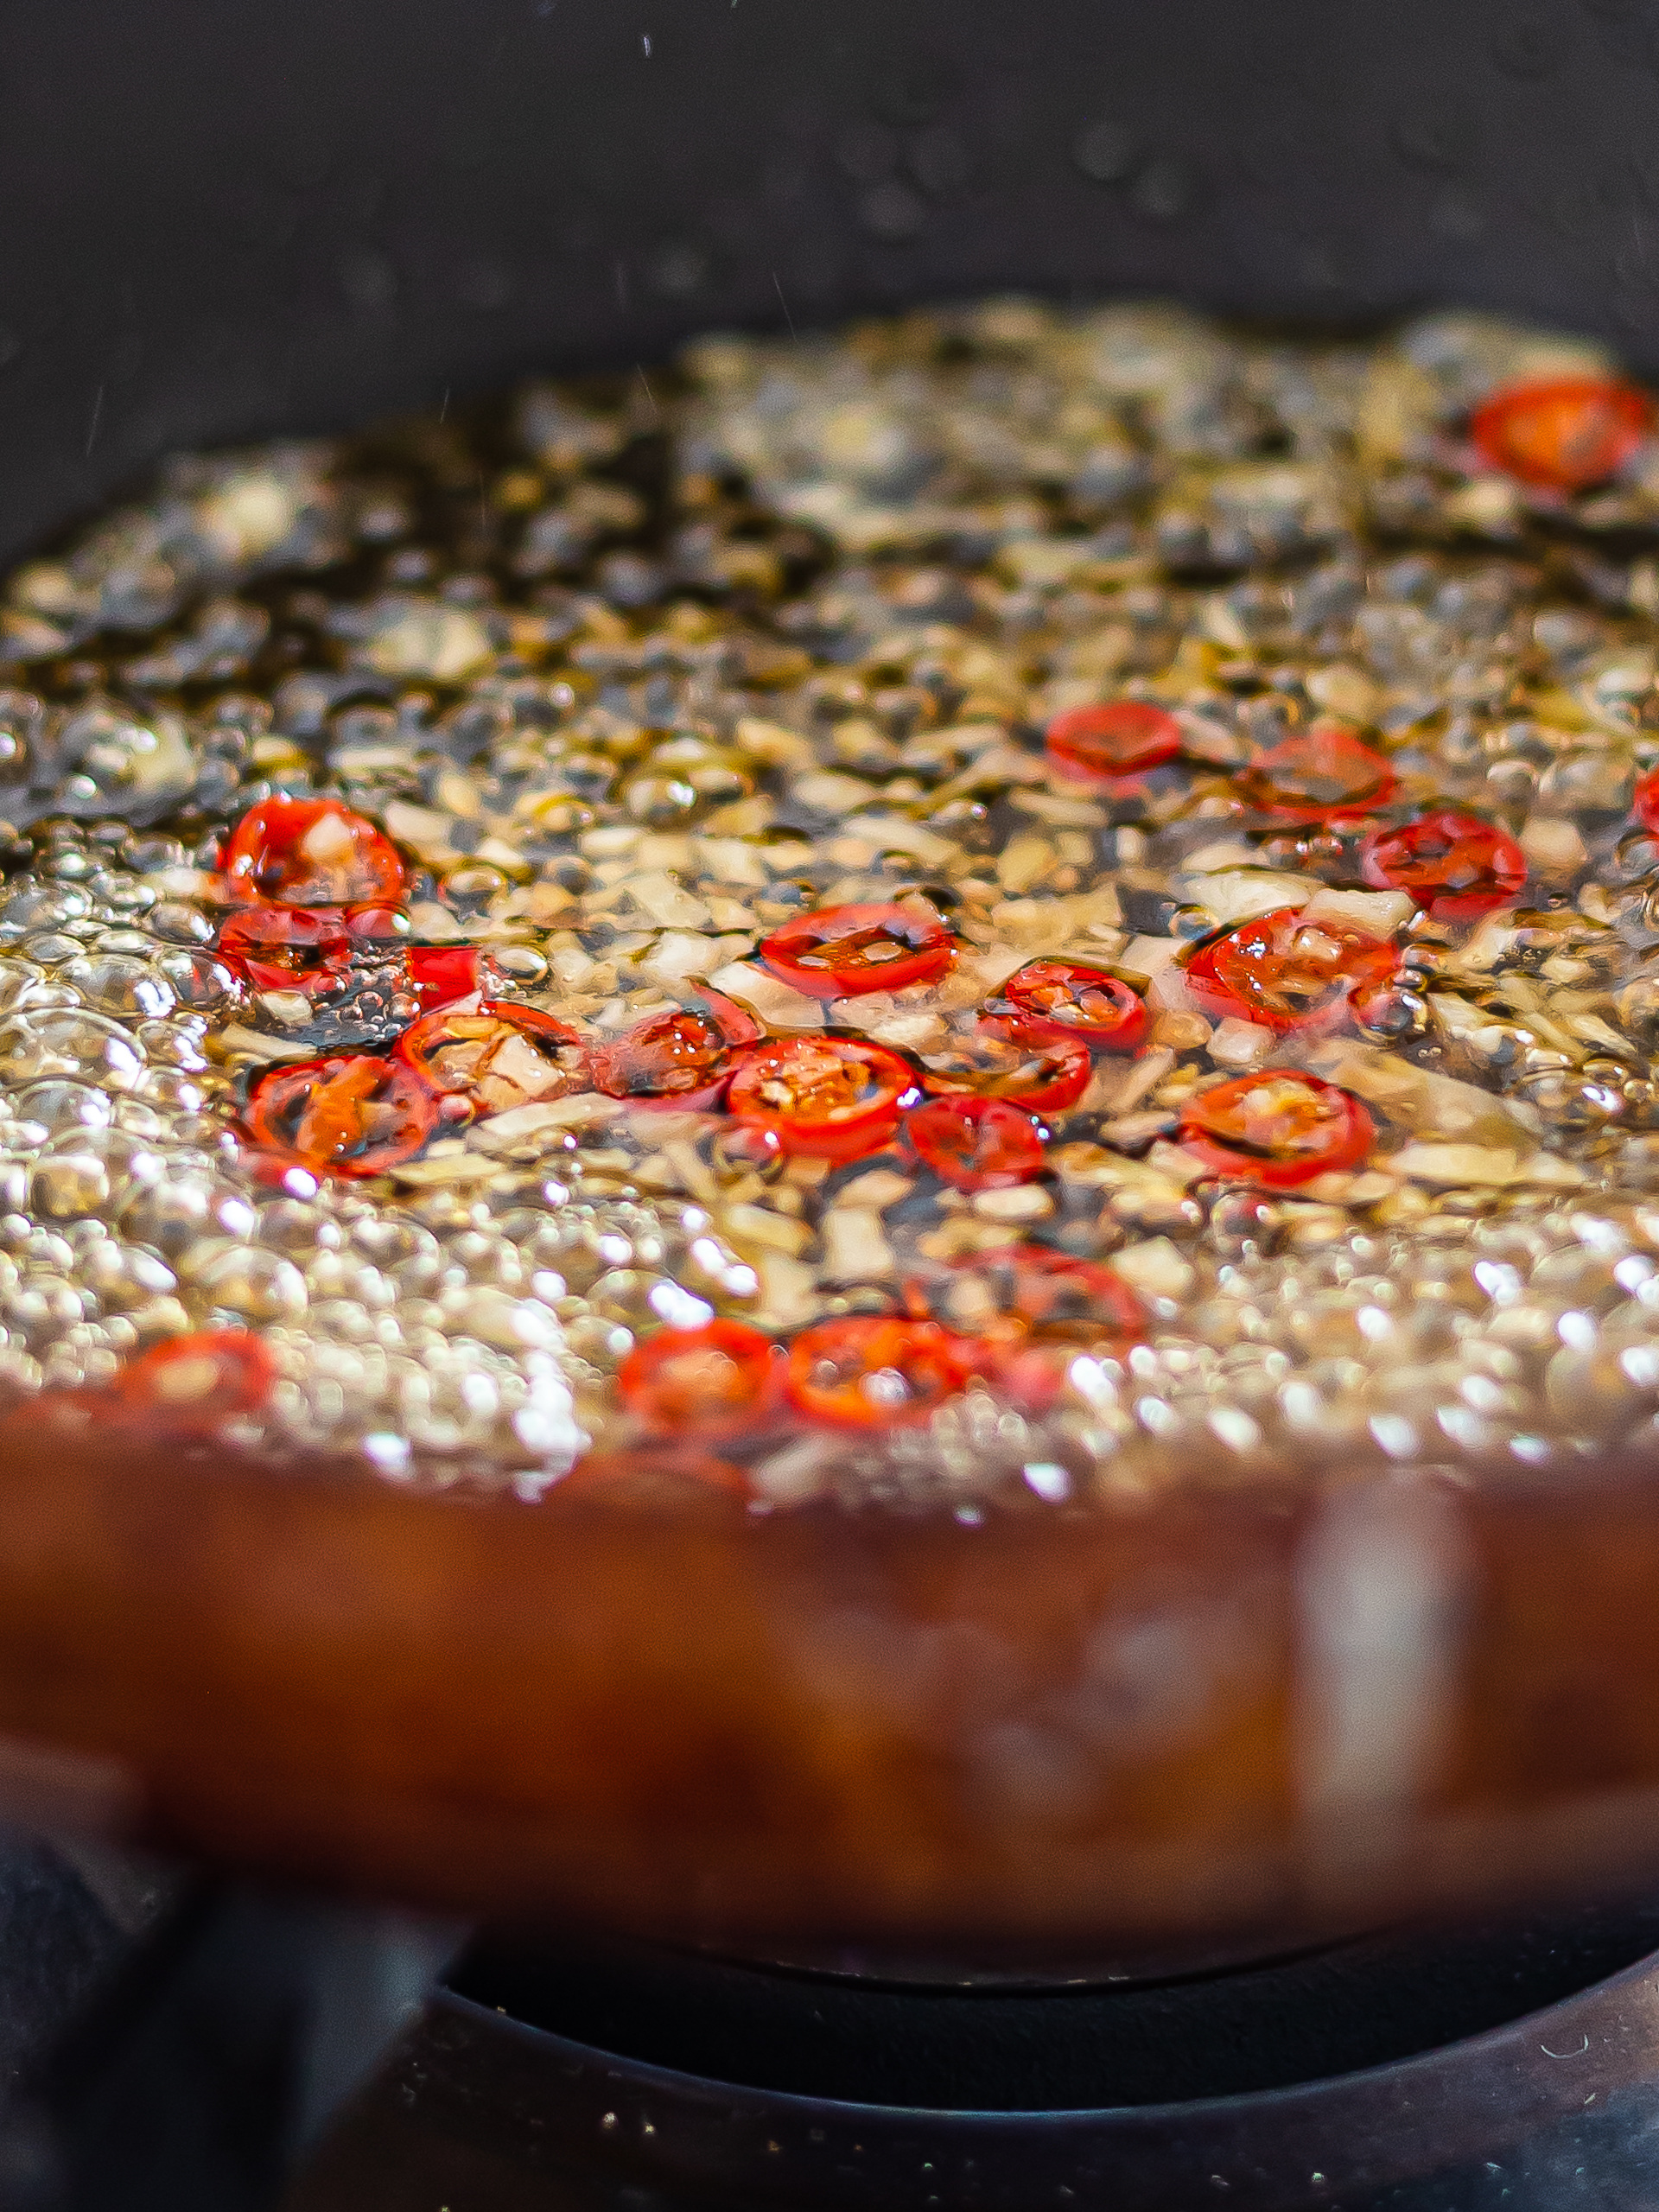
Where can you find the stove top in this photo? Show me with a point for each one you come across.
(1447, 2071)
(245, 2051)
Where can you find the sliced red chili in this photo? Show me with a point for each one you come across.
(1645, 802)
(187, 1387)
(829, 1097)
(1278, 1128)
(876, 1371)
(1061, 999)
(842, 950)
(1005, 1058)
(496, 1056)
(1323, 772)
(287, 948)
(311, 852)
(1561, 433)
(683, 1058)
(977, 1144)
(190, 1385)
(352, 1114)
(442, 973)
(1287, 973)
(1455, 865)
(1124, 738)
(1039, 1292)
(717, 1381)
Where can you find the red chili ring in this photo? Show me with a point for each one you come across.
(1644, 803)
(1064, 999)
(311, 852)
(876, 1370)
(315, 1114)
(436, 1048)
(976, 1143)
(1561, 433)
(1454, 865)
(716, 1382)
(1319, 775)
(191, 1384)
(1006, 1047)
(305, 949)
(684, 1058)
(842, 950)
(1309, 1128)
(1125, 737)
(442, 973)
(827, 1098)
(1273, 970)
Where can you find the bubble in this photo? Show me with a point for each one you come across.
(176, 1044)
(245, 1279)
(43, 906)
(172, 1089)
(66, 1041)
(175, 921)
(196, 979)
(139, 1120)
(184, 1204)
(119, 983)
(487, 1259)
(43, 1308)
(91, 1170)
(52, 947)
(389, 1242)
(119, 765)
(511, 1323)
(60, 1106)
(19, 1371)
(521, 964)
(123, 894)
(19, 981)
(46, 1248)
(123, 1276)
(472, 887)
(293, 1225)
(86, 1356)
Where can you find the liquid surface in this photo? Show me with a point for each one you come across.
(1003, 912)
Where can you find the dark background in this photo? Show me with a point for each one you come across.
(220, 218)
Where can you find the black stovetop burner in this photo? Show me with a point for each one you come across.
(1452, 2070)
(1447, 2071)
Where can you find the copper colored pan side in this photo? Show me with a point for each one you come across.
(1210, 1716)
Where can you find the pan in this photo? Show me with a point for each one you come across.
(1255, 1719)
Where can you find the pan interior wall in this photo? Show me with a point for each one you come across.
(225, 223)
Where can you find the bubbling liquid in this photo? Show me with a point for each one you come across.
(1026, 909)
